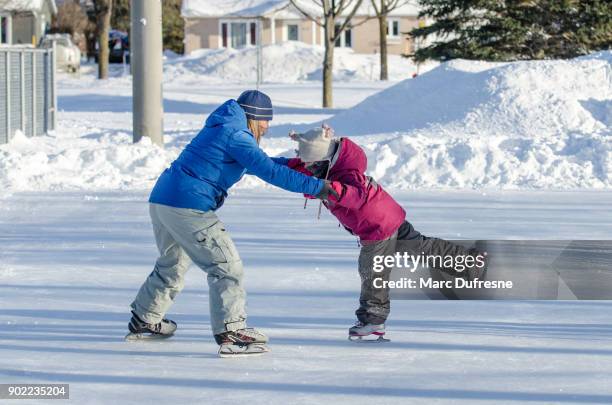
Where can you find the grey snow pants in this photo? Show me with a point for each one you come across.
(374, 303)
(184, 236)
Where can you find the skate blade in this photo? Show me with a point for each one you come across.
(251, 350)
(136, 337)
(368, 339)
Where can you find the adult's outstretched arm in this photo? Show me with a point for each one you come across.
(244, 149)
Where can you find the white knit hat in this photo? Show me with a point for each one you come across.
(314, 145)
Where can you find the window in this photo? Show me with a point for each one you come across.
(237, 34)
(4, 29)
(253, 34)
(344, 40)
(224, 35)
(293, 32)
(348, 39)
(393, 28)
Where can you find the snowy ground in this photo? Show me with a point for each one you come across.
(71, 263)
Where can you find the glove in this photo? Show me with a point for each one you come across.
(329, 192)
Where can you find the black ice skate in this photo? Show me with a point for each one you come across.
(140, 330)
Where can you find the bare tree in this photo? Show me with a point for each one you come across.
(103, 10)
(71, 19)
(331, 10)
(382, 8)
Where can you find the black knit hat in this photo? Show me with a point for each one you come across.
(256, 105)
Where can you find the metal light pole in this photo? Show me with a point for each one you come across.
(146, 59)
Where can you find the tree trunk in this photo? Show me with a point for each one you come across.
(382, 30)
(103, 17)
(328, 78)
(328, 63)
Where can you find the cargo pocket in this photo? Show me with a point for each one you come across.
(218, 242)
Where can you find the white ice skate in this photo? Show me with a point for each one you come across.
(242, 343)
(242, 350)
(367, 333)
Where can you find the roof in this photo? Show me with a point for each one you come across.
(238, 8)
(26, 5)
(260, 8)
(409, 9)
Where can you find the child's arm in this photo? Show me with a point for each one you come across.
(299, 166)
(354, 190)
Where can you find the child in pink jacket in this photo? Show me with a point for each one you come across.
(366, 210)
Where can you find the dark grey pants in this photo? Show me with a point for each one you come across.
(374, 303)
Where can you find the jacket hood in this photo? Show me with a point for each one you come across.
(228, 114)
(349, 156)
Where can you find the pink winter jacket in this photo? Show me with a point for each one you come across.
(364, 208)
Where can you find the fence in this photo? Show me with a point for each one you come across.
(28, 96)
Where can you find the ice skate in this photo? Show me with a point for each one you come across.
(367, 333)
(140, 330)
(242, 343)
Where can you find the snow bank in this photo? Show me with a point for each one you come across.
(464, 124)
(414, 161)
(287, 63)
(534, 99)
(98, 160)
(523, 124)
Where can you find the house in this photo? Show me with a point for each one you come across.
(25, 21)
(236, 24)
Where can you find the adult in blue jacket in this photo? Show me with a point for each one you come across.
(182, 208)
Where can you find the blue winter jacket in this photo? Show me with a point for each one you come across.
(217, 158)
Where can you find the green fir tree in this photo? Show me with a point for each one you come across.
(506, 30)
(172, 22)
